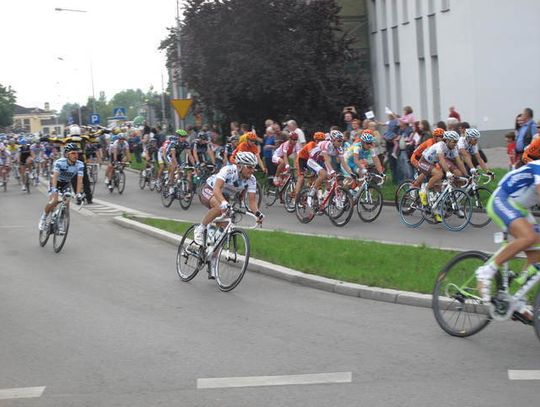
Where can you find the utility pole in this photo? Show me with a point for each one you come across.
(179, 54)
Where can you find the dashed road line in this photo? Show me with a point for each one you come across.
(524, 374)
(21, 393)
(255, 381)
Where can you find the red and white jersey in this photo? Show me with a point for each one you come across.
(431, 154)
(325, 147)
(287, 149)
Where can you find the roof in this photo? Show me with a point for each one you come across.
(28, 110)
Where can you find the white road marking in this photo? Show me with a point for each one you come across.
(253, 381)
(524, 374)
(21, 393)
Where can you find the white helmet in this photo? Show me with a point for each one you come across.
(451, 135)
(472, 133)
(74, 130)
(246, 158)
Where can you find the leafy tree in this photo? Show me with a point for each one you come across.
(7, 105)
(254, 59)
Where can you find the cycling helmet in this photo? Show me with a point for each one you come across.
(451, 135)
(293, 136)
(368, 131)
(367, 138)
(336, 135)
(246, 158)
(181, 132)
(2, 147)
(319, 136)
(70, 147)
(74, 130)
(22, 141)
(251, 136)
(114, 138)
(472, 133)
(438, 132)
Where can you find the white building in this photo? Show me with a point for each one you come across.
(481, 56)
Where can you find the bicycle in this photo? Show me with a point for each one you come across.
(180, 189)
(479, 195)
(226, 251)
(336, 202)
(368, 196)
(57, 222)
(148, 176)
(451, 204)
(93, 170)
(118, 180)
(457, 304)
(285, 192)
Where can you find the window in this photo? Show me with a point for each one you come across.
(445, 5)
(405, 9)
(373, 16)
(420, 38)
(384, 21)
(394, 13)
(385, 46)
(395, 44)
(418, 9)
(432, 26)
(431, 7)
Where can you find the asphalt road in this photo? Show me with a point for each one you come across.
(107, 323)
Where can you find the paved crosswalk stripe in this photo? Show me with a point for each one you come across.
(253, 381)
(21, 393)
(524, 374)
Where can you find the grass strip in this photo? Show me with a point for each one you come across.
(407, 268)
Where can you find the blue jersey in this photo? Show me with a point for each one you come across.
(67, 171)
(520, 184)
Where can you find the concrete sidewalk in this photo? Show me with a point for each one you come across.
(497, 157)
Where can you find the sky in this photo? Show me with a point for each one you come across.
(52, 56)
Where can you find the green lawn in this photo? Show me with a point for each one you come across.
(375, 264)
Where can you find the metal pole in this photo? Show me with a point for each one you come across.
(179, 66)
(163, 117)
(93, 94)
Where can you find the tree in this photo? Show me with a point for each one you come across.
(254, 59)
(7, 105)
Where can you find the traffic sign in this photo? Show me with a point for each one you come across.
(182, 106)
(94, 118)
(119, 112)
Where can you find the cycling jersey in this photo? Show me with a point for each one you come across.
(326, 147)
(532, 151)
(233, 183)
(67, 171)
(520, 185)
(304, 152)
(464, 144)
(244, 147)
(363, 155)
(431, 155)
(121, 147)
(4, 158)
(178, 146)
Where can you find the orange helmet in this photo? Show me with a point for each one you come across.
(438, 132)
(251, 136)
(319, 136)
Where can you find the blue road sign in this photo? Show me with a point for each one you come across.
(119, 112)
(70, 120)
(94, 118)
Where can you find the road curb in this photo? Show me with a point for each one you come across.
(298, 277)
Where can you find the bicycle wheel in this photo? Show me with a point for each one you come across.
(270, 194)
(166, 197)
(27, 182)
(186, 196)
(456, 303)
(456, 210)
(44, 234)
(479, 200)
(403, 187)
(153, 179)
(305, 211)
(231, 260)
(536, 314)
(288, 196)
(369, 204)
(340, 207)
(189, 256)
(410, 208)
(121, 182)
(61, 229)
(142, 179)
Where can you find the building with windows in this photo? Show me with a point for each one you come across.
(36, 120)
(480, 56)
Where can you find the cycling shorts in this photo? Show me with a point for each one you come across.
(314, 166)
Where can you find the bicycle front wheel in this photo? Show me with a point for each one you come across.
(536, 314)
(403, 187)
(369, 205)
(340, 208)
(121, 182)
(288, 196)
(457, 304)
(189, 256)
(305, 211)
(479, 200)
(270, 194)
(456, 210)
(231, 260)
(410, 208)
(44, 234)
(186, 196)
(61, 229)
(142, 179)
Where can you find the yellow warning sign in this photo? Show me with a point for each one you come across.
(181, 106)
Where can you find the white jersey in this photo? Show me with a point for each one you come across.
(464, 144)
(233, 183)
(431, 154)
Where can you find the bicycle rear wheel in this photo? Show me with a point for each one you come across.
(340, 207)
(456, 210)
(186, 196)
(369, 204)
(456, 302)
(403, 187)
(121, 182)
(231, 260)
(189, 256)
(44, 234)
(288, 196)
(305, 211)
(410, 208)
(536, 314)
(479, 200)
(166, 197)
(270, 194)
(61, 229)
(142, 179)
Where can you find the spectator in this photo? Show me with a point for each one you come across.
(441, 125)
(269, 145)
(348, 117)
(511, 149)
(525, 133)
(235, 129)
(454, 114)
(390, 137)
(408, 116)
(293, 126)
(518, 124)
(537, 135)
(403, 166)
(424, 131)
(452, 124)
(356, 131)
(379, 145)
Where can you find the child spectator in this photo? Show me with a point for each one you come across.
(511, 149)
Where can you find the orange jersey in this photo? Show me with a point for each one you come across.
(245, 147)
(532, 151)
(417, 153)
(304, 152)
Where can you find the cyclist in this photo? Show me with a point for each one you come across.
(509, 207)
(5, 163)
(416, 156)
(37, 149)
(446, 154)
(173, 155)
(360, 155)
(532, 151)
(202, 151)
(302, 159)
(119, 152)
(469, 152)
(220, 187)
(26, 157)
(64, 170)
(322, 155)
(281, 156)
(250, 146)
